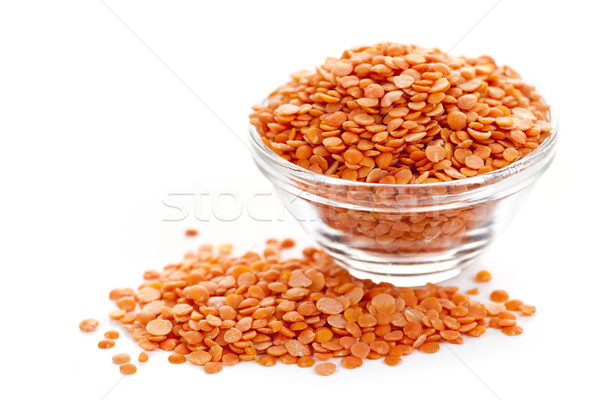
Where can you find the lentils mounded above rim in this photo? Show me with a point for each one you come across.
(393, 113)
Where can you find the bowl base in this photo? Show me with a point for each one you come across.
(405, 271)
(405, 280)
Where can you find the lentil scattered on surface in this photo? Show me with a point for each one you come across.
(112, 334)
(121, 358)
(88, 325)
(325, 368)
(218, 309)
(483, 276)
(128, 368)
(106, 344)
(499, 296)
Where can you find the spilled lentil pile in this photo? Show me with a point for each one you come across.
(213, 309)
(402, 114)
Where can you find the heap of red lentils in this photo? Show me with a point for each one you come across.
(213, 309)
(401, 114)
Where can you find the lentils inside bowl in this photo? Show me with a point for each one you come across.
(402, 114)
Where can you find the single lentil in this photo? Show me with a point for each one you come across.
(325, 368)
(112, 334)
(121, 358)
(176, 358)
(483, 276)
(213, 367)
(88, 325)
(127, 368)
(499, 296)
(527, 309)
(106, 344)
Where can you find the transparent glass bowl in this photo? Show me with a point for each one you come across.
(407, 235)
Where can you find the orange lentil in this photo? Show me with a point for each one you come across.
(413, 330)
(117, 314)
(225, 248)
(430, 347)
(126, 303)
(392, 360)
(213, 367)
(513, 304)
(267, 361)
(353, 115)
(159, 327)
(435, 153)
(512, 330)
(106, 344)
(323, 335)
(506, 315)
(325, 368)
(305, 362)
(127, 368)
(483, 276)
(121, 358)
(191, 232)
(329, 306)
(199, 357)
(499, 296)
(230, 359)
(214, 310)
(88, 325)
(380, 347)
(360, 350)
(112, 334)
(527, 309)
(288, 359)
(351, 362)
(177, 358)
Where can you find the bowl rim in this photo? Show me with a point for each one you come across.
(509, 170)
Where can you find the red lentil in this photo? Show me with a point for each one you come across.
(499, 296)
(121, 358)
(112, 334)
(325, 368)
(213, 310)
(88, 325)
(267, 361)
(392, 360)
(351, 362)
(377, 109)
(483, 276)
(213, 367)
(360, 350)
(305, 362)
(430, 347)
(176, 358)
(191, 232)
(127, 368)
(106, 344)
(513, 304)
(527, 309)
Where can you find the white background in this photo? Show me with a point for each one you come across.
(104, 112)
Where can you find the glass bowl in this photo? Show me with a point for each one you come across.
(407, 235)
